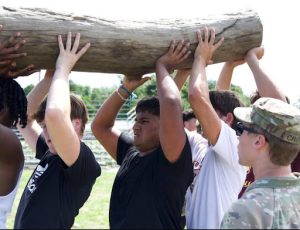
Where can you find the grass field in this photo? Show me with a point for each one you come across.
(94, 213)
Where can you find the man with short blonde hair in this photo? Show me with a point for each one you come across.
(269, 140)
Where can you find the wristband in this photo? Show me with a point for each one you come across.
(131, 96)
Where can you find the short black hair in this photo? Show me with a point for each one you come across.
(188, 115)
(148, 104)
(225, 102)
(12, 97)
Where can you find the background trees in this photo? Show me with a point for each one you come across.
(94, 97)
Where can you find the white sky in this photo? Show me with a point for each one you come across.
(279, 18)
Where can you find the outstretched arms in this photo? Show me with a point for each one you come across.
(171, 133)
(198, 86)
(224, 80)
(57, 115)
(265, 86)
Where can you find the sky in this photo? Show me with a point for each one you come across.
(280, 34)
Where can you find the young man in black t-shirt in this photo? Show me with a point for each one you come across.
(63, 180)
(156, 165)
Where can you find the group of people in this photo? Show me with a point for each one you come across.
(169, 175)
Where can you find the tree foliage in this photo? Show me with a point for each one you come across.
(94, 97)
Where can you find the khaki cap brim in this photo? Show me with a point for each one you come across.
(243, 114)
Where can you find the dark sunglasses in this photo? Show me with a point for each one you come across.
(240, 129)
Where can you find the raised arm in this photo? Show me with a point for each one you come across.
(57, 115)
(103, 123)
(224, 80)
(198, 86)
(265, 86)
(181, 77)
(171, 133)
(32, 130)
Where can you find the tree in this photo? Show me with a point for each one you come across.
(28, 88)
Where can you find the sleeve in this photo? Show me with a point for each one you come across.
(226, 146)
(41, 147)
(124, 143)
(198, 145)
(182, 168)
(85, 169)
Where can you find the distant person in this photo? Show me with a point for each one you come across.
(219, 177)
(62, 181)
(156, 165)
(13, 106)
(269, 140)
(189, 120)
(265, 87)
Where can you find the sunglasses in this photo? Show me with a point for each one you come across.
(240, 129)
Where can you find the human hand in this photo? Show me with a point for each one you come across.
(133, 82)
(69, 56)
(206, 46)
(235, 63)
(184, 72)
(8, 49)
(11, 71)
(175, 55)
(257, 52)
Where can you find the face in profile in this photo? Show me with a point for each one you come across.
(191, 124)
(47, 138)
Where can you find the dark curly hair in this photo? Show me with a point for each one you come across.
(13, 98)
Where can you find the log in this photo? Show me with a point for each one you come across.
(127, 47)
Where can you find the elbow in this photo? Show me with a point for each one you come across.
(194, 95)
(197, 99)
(98, 129)
(94, 127)
(171, 102)
(53, 115)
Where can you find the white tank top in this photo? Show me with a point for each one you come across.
(6, 203)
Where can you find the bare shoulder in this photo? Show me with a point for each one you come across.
(11, 148)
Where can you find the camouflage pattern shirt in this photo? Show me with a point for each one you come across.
(269, 203)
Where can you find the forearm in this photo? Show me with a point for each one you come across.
(107, 113)
(181, 77)
(224, 80)
(201, 105)
(37, 95)
(59, 94)
(198, 85)
(265, 86)
(166, 87)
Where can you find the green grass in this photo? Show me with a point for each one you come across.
(94, 213)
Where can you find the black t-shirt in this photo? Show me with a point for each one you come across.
(55, 192)
(149, 191)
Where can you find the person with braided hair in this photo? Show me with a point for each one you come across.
(13, 110)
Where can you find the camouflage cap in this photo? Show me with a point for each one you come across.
(274, 116)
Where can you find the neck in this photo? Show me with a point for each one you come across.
(146, 152)
(265, 168)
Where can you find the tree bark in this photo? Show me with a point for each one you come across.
(127, 47)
